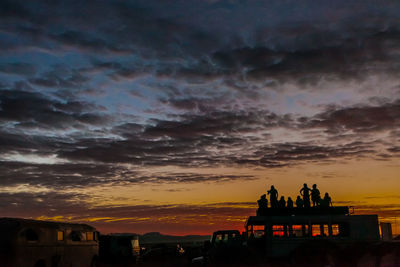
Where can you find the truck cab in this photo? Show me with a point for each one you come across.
(224, 246)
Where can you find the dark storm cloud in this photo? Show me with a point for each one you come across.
(286, 154)
(64, 175)
(13, 9)
(85, 41)
(119, 70)
(185, 142)
(126, 39)
(60, 77)
(184, 43)
(347, 58)
(124, 27)
(208, 140)
(394, 149)
(20, 143)
(18, 68)
(35, 110)
(218, 122)
(357, 119)
(195, 178)
(32, 205)
(81, 175)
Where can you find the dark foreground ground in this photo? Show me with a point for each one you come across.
(357, 255)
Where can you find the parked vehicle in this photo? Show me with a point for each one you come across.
(225, 245)
(281, 231)
(119, 247)
(26, 243)
(293, 235)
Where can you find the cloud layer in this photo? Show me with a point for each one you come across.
(154, 92)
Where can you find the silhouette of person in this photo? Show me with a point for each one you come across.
(262, 205)
(327, 201)
(305, 192)
(289, 203)
(282, 203)
(299, 202)
(315, 195)
(273, 197)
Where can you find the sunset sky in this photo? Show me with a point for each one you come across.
(174, 116)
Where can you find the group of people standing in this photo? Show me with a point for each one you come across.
(302, 201)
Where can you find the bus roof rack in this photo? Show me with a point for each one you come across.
(339, 210)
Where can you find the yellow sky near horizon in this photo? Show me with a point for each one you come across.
(370, 186)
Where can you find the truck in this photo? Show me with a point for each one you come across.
(35, 243)
(315, 236)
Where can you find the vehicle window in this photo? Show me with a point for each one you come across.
(297, 230)
(278, 230)
(259, 231)
(225, 238)
(218, 238)
(89, 236)
(335, 230)
(31, 235)
(60, 235)
(325, 229)
(76, 236)
(316, 230)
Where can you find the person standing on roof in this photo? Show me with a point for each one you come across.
(305, 192)
(273, 197)
(327, 201)
(315, 196)
(282, 203)
(262, 205)
(289, 203)
(299, 202)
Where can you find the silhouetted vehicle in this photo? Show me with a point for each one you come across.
(26, 243)
(119, 247)
(282, 231)
(225, 246)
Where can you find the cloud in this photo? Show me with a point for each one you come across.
(136, 218)
(286, 154)
(105, 93)
(67, 175)
(60, 77)
(171, 218)
(357, 119)
(35, 110)
(18, 68)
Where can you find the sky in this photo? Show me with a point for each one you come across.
(174, 116)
